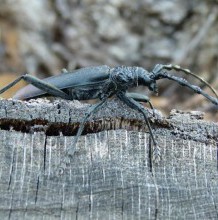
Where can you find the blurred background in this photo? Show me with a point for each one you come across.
(42, 37)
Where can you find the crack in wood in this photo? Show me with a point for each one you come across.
(12, 169)
(54, 129)
(44, 156)
(37, 190)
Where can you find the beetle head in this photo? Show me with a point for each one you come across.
(146, 78)
(153, 87)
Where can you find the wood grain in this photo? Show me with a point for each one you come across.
(111, 175)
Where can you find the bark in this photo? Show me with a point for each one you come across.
(111, 175)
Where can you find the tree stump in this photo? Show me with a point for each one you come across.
(111, 175)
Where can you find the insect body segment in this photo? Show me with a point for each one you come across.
(128, 77)
(103, 82)
(84, 77)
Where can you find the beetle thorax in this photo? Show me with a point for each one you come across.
(127, 77)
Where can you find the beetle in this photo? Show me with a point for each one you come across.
(103, 82)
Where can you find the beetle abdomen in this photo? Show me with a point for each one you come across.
(80, 77)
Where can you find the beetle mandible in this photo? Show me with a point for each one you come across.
(103, 82)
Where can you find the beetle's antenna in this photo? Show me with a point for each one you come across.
(187, 71)
(184, 82)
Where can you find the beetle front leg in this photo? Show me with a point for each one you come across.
(50, 89)
(141, 98)
(135, 105)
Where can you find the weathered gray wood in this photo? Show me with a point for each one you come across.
(110, 175)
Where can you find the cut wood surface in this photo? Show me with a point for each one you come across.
(111, 175)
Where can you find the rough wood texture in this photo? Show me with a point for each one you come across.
(111, 175)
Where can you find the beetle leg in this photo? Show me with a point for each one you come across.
(135, 105)
(141, 98)
(50, 89)
(184, 82)
(91, 110)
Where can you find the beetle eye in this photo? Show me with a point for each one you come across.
(122, 78)
(153, 87)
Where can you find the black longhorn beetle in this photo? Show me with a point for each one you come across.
(103, 82)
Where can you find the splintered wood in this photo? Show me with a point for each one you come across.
(111, 175)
